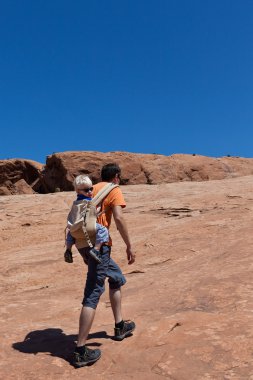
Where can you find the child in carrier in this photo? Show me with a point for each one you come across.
(83, 188)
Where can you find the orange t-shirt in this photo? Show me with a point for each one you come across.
(114, 198)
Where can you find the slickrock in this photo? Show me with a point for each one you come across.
(190, 291)
(61, 168)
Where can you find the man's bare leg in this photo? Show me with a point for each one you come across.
(115, 298)
(85, 321)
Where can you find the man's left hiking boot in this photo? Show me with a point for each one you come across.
(125, 331)
(95, 254)
(86, 357)
(68, 256)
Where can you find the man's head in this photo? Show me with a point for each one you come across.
(110, 172)
(82, 184)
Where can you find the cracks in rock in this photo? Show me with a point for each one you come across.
(136, 271)
(162, 368)
(180, 212)
(177, 324)
(184, 212)
(233, 196)
(160, 262)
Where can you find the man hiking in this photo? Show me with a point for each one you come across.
(112, 205)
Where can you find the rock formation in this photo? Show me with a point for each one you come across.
(20, 176)
(61, 169)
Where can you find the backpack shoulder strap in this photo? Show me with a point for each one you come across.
(103, 193)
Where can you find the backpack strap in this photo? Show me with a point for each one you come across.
(87, 237)
(84, 226)
(85, 232)
(103, 193)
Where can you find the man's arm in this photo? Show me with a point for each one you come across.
(122, 228)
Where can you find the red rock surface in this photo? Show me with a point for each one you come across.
(61, 168)
(19, 176)
(190, 291)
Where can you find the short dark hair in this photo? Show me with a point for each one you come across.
(109, 171)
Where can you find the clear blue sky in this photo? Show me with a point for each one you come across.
(164, 76)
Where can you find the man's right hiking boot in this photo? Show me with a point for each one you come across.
(87, 357)
(68, 256)
(95, 254)
(125, 331)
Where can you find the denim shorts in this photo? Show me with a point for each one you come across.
(97, 273)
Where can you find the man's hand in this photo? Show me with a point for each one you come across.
(130, 256)
(122, 228)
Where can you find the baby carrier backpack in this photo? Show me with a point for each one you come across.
(83, 215)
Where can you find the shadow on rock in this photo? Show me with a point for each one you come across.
(54, 342)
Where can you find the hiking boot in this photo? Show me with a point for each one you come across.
(95, 254)
(87, 357)
(126, 330)
(68, 256)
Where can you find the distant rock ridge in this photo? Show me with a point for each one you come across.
(18, 176)
(24, 176)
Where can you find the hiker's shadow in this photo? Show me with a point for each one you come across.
(54, 342)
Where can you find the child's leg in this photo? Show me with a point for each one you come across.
(69, 243)
(102, 236)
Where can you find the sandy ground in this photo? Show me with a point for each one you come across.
(190, 291)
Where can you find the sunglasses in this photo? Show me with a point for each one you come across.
(87, 190)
